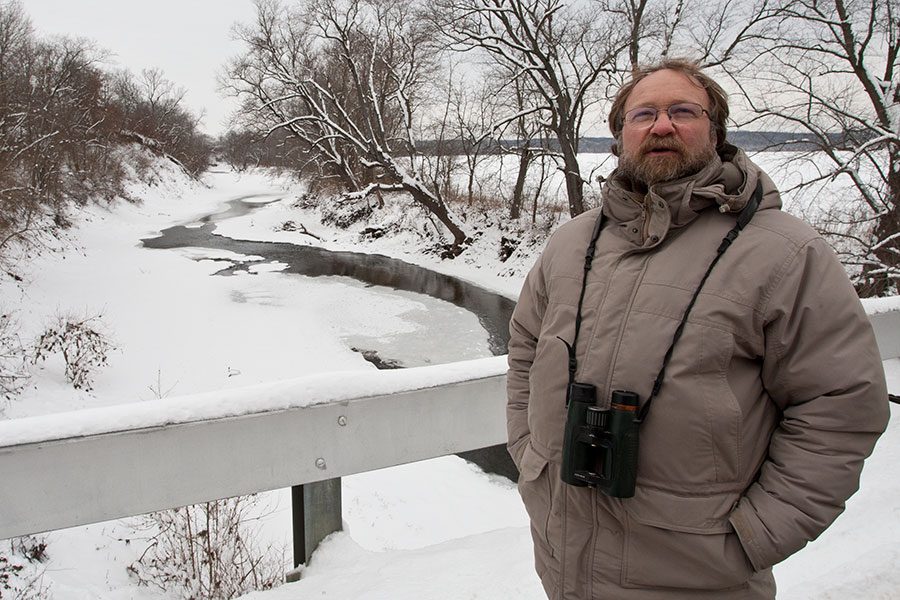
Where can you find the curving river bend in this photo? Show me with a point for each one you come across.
(493, 310)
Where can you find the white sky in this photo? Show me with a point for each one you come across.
(189, 40)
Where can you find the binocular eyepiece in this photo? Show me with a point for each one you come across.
(600, 447)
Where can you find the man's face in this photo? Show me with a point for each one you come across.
(665, 151)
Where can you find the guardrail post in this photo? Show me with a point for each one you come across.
(316, 514)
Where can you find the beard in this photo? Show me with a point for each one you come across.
(641, 166)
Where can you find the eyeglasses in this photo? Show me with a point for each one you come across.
(682, 113)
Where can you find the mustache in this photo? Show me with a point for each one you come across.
(655, 142)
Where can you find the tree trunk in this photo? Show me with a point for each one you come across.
(515, 208)
(439, 210)
(568, 144)
(880, 279)
(574, 183)
(470, 184)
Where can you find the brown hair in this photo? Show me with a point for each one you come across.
(718, 99)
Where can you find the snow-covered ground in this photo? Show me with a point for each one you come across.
(440, 529)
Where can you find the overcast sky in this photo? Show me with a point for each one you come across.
(189, 40)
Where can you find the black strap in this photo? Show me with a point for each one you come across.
(588, 260)
(743, 218)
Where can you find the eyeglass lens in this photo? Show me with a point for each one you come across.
(684, 112)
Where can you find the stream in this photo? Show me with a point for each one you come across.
(493, 310)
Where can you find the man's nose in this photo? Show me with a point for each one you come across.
(662, 125)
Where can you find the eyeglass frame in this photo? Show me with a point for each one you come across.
(668, 109)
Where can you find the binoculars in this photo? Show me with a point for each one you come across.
(600, 447)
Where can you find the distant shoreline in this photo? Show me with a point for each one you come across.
(751, 141)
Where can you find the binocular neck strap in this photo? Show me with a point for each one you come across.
(588, 260)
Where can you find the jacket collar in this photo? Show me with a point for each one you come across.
(727, 182)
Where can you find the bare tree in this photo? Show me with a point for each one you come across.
(52, 138)
(17, 209)
(345, 78)
(473, 104)
(151, 112)
(712, 33)
(530, 144)
(475, 125)
(830, 71)
(557, 51)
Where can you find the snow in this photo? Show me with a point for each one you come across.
(190, 345)
(875, 306)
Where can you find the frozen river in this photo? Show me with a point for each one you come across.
(438, 332)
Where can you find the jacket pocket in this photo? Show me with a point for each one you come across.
(536, 490)
(682, 542)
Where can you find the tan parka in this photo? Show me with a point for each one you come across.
(773, 397)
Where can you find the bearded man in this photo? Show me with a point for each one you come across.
(690, 291)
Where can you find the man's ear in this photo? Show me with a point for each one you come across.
(614, 148)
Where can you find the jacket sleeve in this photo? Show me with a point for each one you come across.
(823, 369)
(524, 329)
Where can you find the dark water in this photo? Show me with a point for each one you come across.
(493, 310)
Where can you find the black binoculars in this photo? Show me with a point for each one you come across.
(600, 448)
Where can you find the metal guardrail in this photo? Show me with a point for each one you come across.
(887, 333)
(83, 467)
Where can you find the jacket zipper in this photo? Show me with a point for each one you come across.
(645, 217)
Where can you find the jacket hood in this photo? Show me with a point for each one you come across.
(727, 183)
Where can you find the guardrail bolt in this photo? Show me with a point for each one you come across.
(320, 462)
(342, 421)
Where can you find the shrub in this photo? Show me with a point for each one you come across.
(13, 374)
(208, 551)
(21, 576)
(83, 345)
